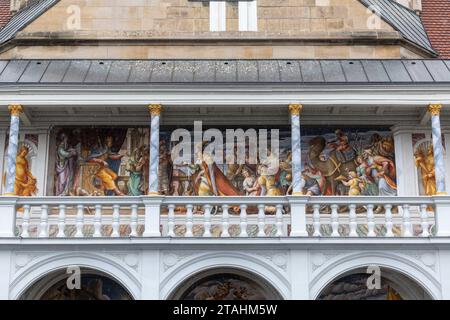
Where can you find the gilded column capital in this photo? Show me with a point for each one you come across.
(295, 109)
(155, 109)
(435, 109)
(15, 109)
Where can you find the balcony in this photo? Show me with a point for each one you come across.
(224, 217)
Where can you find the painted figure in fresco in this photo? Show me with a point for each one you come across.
(250, 185)
(165, 169)
(343, 150)
(286, 174)
(313, 181)
(210, 180)
(425, 162)
(368, 185)
(25, 183)
(135, 167)
(353, 182)
(107, 176)
(331, 168)
(383, 172)
(65, 166)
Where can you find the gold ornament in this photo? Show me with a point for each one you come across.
(295, 109)
(15, 109)
(155, 109)
(435, 109)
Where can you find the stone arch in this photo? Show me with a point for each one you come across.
(93, 285)
(246, 265)
(235, 278)
(396, 267)
(46, 265)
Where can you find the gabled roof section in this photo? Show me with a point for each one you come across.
(24, 17)
(402, 19)
(436, 18)
(200, 72)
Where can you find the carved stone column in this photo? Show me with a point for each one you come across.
(13, 143)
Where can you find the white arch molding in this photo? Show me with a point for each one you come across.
(206, 262)
(344, 264)
(51, 263)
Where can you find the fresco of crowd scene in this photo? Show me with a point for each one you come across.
(115, 162)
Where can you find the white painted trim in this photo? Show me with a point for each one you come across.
(263, 96)
(217, 16)
(248, 16)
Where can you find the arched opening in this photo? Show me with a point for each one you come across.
(362, 284)
(225, 284)
(94, 285)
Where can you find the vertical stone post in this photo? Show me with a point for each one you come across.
(155, 112)
(438, 150)
(11, 155)
(297, 181)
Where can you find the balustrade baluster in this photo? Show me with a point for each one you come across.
(334, 221)
(316, 221)
(207, 224)
(261, 221)
(43, 226)
(352, 224)
(26, 221)
(116, 221)
(79, 221)
(225, 221)
(279, 220)
(189, 221)
(389, 224)
(424, 220)
(243, 221)
(407, 226)
(97, 221)
(171, 220)
(134, 220)
(370, 221)
(61, 221)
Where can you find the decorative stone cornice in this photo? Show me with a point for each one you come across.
(15, 109)
(155, 109)
(434, 109)
(295, 109)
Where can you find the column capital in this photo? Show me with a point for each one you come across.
(15, 109)
(434, 109)
(155, 109)
(295, 109)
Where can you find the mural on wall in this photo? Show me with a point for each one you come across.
(226, 287)
(25, 183)
(348, 162)
(93, 287)
(106, 161)
(101, 161)
(354, 287)
(424, 160)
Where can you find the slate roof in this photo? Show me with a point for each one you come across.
(402, 19)
(130, 72)
(399, 17)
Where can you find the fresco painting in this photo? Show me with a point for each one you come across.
(93, 287)
(101, 162)
(354, 287)
(114, 162)
(226, 287)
